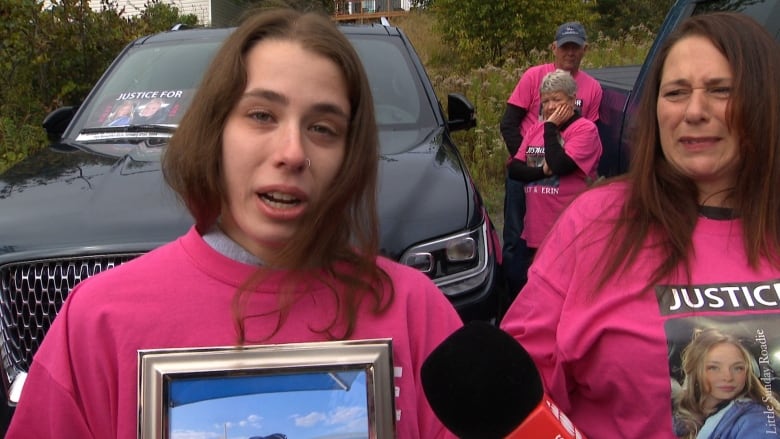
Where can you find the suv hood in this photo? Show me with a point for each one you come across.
(423, 192)
(77, 199)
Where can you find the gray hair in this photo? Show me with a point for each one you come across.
(559, 80)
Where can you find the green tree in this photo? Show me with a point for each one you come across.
(327, 6)
(18, 34)
(157, 16)
(477, 29)
(619, 16)
(52, 53)
(487, 32)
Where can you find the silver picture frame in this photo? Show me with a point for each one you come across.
(338, 389)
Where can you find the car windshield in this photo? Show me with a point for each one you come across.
(145, 94)
(767, 13)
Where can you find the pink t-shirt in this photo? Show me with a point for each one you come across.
(545, 199)
(526, 95)
(610, 359)
(83, 382)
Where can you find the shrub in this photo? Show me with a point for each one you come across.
(18, 140)
(52, 53)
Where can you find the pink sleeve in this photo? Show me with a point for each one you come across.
(532, 320)
(48, 406)
(523, 94)
(428, 333)
(583, 144)
(534, 316)
(46, 410)
(520, 154)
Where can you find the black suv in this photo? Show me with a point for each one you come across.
(96, 197)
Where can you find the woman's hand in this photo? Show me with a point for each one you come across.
(561, 114)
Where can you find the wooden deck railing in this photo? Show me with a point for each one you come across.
(361, 11)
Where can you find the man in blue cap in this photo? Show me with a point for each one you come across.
(522, 111)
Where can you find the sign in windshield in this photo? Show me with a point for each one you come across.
(148, 107)
(145, 95)
(151, 85)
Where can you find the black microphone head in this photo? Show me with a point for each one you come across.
(480, 382)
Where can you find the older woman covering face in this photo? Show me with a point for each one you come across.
(696, 215)
(557, 159)
(276, 159)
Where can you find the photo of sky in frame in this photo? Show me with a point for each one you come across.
(318, 405)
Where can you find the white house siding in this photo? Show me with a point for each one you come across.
(201, 8)
(217, 13)
(354, 6)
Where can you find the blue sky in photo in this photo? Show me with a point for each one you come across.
(312, 414)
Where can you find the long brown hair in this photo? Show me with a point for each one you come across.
(341, 230)
(664, 203)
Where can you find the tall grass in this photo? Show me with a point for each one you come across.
(489, 87)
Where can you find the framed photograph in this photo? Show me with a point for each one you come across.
(333, 389)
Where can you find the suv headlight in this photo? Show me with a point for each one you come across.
(457, 264)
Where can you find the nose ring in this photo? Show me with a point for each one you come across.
(308, 163)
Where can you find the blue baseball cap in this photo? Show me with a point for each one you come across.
(572, 32)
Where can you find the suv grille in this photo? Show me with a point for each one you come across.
(31, 295)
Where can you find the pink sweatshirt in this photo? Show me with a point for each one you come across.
(83, 381)
(545, 199)
(526, 95)
(610, 358)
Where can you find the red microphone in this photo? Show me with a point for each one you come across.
(546, 421)
(482, 384)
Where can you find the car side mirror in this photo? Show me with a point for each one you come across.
(56, 122)
(460, 112)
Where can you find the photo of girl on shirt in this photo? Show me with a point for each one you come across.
(724, 379)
